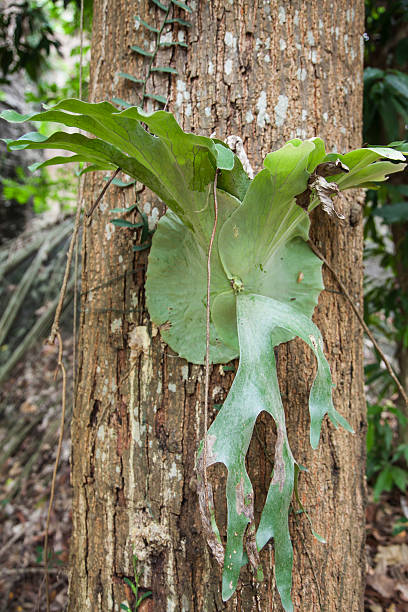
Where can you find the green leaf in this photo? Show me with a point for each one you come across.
(146, 25)
(371, 75)
(141, 51)
(131, 585)
(130, 77)
(161, 6)
(236, 181)
(142, 247)
(255, 388)
(181, 22)
(121, 102)
(179, 167)
(262, 323)
(317, 155)
(269, 215)
(389, 117)
(365, 166)
(400, 477)
(400, 526)
(277, 278)
(96, 168)
(123, 210)
(383, 483)
(142, 598)
(156, 97)
(125, 607)
(398, 81)
(182, 5)
(62, 159)
(393, 213)
(225, 157)
(177, 268)
(120, 183)
(166, 69)
(124, 223)
(401, 106)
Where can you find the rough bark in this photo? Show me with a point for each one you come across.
(267, 71)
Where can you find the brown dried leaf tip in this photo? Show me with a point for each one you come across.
(245, 505)
(206, 503)
(323, 189)
(330, 168)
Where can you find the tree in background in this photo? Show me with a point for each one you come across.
(266, 72)
(386, 229)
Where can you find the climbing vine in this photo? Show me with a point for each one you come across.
(265, 284)
(151, 56)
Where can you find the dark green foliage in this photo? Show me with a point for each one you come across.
(39, 189)
(386, 217)
(134, 585)
(400, 526)
(387, 301)
(27, 36)
(26, 39)
(384, 457)
(385, 104)
(383, 18)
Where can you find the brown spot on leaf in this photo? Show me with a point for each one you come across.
(210, 459)
(251, 547)
(279, 473)
(244, 503)
(213, 539)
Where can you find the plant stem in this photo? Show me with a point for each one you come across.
(207, 342)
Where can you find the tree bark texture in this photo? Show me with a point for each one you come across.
(266, 71)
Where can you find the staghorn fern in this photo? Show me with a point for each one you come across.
(257, 301)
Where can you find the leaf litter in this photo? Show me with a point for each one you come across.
(30, 405)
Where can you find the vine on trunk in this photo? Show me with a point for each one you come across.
(265, 283)
(151, 56)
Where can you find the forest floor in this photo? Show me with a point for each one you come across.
(30, 405)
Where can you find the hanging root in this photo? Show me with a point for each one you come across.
(362, 322)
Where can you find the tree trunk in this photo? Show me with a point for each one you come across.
(265, 71)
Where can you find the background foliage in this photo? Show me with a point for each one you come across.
(33, 36)
(386, 233)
